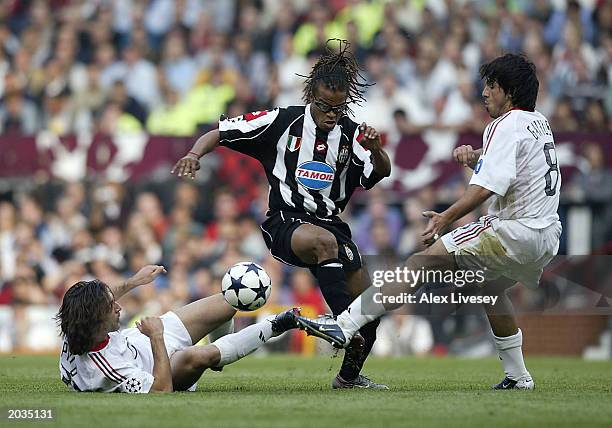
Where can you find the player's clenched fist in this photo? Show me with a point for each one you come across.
(371, 137)
(466, 155)
(150, 326)
(187, 166)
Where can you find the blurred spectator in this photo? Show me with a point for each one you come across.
(574, 14)
(139, 76)
(118, 95)
(62, 116)
(18, 115)
(305, 291)
(400, 334)
(290, 84)
(593, 174)
(595, 119)
(180, 69)
(318, 27)
(377, 212)
(563, 118)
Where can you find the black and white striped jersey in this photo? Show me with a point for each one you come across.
(308, 170)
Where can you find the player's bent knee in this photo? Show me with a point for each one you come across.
(325, 246)
(202, 358)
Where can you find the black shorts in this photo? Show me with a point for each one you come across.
(280, 225)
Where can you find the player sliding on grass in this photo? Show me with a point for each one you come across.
(158, 355)
(517, 169)
(314, 157)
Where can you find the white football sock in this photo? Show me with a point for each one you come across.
(511, 354)
(224, 329)
(352, 319)
(238, 345)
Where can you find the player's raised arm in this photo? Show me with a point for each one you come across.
(371, 141)
(144, 276)
(189, 164)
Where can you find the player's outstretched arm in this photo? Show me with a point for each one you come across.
(153, 328)
(189, 164)
(144, 276)
(473, 197)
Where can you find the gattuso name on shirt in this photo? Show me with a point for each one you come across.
(538, 128)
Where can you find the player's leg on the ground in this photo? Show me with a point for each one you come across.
(317, 246)
(189, 364)
(354, 359)
(508, 337)
(205, 315)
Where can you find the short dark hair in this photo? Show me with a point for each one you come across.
(84, 307)
(516, 75)
(339, 71)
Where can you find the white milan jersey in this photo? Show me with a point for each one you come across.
(308, 169)
(122, 363)
(519, 164)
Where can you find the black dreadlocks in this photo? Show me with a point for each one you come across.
(339, 71)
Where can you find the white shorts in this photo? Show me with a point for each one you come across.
(176, 338)
(504, 248)
(176, 335)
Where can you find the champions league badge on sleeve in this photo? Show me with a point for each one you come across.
(314, 175)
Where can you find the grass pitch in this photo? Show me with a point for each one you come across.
(292, 391)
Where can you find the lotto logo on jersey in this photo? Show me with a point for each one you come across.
(314, 175)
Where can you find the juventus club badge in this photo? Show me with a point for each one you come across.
(343, 155)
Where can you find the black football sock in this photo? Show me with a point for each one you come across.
(333, 285)
(354, 359)
(332, 282)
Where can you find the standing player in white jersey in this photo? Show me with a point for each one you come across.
(158, 355)
(517, 170)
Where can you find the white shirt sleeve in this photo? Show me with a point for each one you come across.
(136, 382)
(496, 168)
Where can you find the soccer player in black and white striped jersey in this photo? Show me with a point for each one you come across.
(314, 157)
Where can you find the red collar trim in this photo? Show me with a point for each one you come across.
(100, 345)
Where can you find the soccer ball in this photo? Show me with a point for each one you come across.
(246, 286)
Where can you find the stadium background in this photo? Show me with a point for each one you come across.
(100, 98)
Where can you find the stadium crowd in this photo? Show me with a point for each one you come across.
(172, 67)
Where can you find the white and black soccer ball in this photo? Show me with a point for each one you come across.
(246, 286)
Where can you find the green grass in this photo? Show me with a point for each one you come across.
(294, 392)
